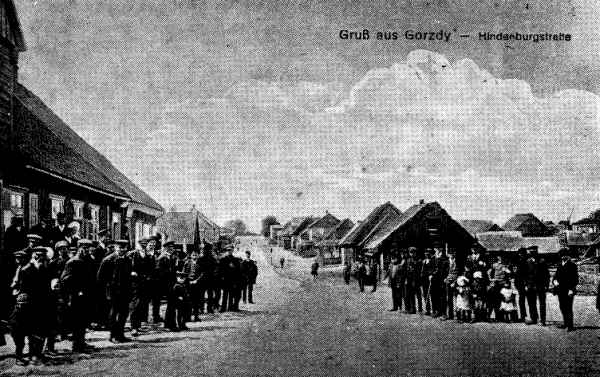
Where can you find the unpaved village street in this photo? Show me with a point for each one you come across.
(301, 327)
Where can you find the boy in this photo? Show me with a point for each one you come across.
(181, 299)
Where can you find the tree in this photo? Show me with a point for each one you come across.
(238, 227)
(266, 225)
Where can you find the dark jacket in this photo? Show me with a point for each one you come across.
(396, 275)
(249, 271)
(165, 269)
(114, 276)
(567, 277)
(536, 274)
(76, 277)
(440, 271)
(14, 239)
(34, 284)
(229, 267)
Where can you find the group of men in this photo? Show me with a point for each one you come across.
(56, 293)
(430, 282)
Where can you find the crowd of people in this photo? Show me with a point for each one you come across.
(476, 290)
(58, 286)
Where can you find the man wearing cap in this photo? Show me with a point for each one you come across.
(141, 273)
(75, 284)
(537, 279)
(193, 271)
(114, 276)
(230, 268)
(165, 273)
(565, 283)
(33, 282)
(56, 267)
(155, 291)
(207, 283)
(249, 273)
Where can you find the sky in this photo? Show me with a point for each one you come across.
(248, 109)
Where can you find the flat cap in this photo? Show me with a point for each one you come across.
(33, 236)
(84, 242)
(61, 244)
(169, 243)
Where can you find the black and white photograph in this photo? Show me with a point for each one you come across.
(299, 188)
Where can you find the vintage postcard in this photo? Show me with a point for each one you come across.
(299, 188)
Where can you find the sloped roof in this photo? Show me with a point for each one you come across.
(340, 230)
(291, 226)
(390, 224)
(579, 239)
(304, 224)
(512, 241)
(357, 235)
(479, 226)
(323, 220)
(517, 220)
(15, 25)
(51, 130)
(587, 220)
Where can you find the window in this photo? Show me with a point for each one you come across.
(77, 209)
(34, 211)
(138, 231)
(57, 204)
(12, 206)
(146, 230)
(16, 200)
(95, 220)
(116, 225)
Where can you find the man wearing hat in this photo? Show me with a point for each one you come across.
(165, 275)
(249, 274)
(154, 288)
(56, 266)
(520, 273)
(75, 284)
(537, 279)
(32, 294)
(231, 275)
(114, 276)
(565, 283)
(142, 266)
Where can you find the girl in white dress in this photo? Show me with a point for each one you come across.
(508, 306)
(464, 306)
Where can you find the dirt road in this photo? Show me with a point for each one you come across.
(305, 328)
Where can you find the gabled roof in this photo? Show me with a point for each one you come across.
(357, 235)
(389, 226)
(304, 224)
(340, 230)
(182, 226)
(587, 220)
(324, 221)
(52, 139)
(517, 220)
(512, 241)
(291, 226)
(479, 226)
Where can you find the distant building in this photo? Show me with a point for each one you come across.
(328, 249)
(314, 233)
(188, 228)
(510, 242)
(480, 226)
(528, 225)
(274, 231)
(587, 225)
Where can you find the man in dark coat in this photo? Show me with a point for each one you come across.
(207, 282)
(249, 274)
(192, 270)
(76, 285)
(114, 276)
(565, 283)
(537, 279)
(56, 266)
(155, 288)
(15, 236)
(231, 275)
(61, 230)
(411, 285)
(32, 285)
(166, 275)
(438, 291)
(395, 278)
(44, 230)
(520, 273)
(142, 266)
(361, 275)
(426, 275)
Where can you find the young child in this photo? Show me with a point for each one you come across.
(463, 299)
(479, 292)
(508, 306)
(181, 298)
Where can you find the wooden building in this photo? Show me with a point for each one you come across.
(47, 168)
(528, 225)
(424, 225)
(480, 226)
(189, 228)
(352, 244)
(328, 249)
(314, 233)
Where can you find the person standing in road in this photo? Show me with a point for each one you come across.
(520, 273)
(230, 273)
(314, 269)
(412, 291)
(438, 292)
(537, 279)
(142, 266)
(565, 283)
(193, 272)
(450, 285)
(361, 275)
(76, 284)
(281, 260)
(207, 282)
(249, 273)
(165, 272)
(115, 276)
(395, 282)
(426, 275)
(347, 273)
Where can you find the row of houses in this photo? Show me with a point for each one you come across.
(47, 168)
(387, 229)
